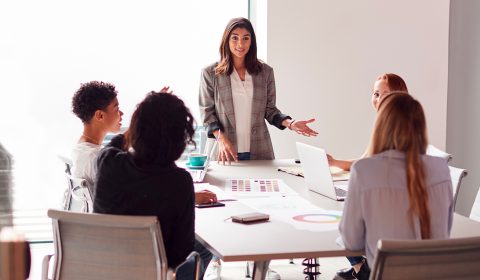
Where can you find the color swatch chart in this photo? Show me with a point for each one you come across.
(259, 186)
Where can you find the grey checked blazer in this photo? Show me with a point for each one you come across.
(217, 112)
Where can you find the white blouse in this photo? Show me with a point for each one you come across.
(377, 203)
(242, 94)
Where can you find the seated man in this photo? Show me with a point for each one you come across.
(96, 105)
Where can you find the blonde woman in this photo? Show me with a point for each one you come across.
(384, 84)
(397, 192)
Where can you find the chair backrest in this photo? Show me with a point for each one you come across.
(457, 175)
(80, 197)
(68, 163)
(100, 246)
(79, 193)
(436, 152)
(427, 259)
(475, 214)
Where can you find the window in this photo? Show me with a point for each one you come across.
(49, 47)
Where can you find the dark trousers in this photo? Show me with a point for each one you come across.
(243, 156)
(354, 260)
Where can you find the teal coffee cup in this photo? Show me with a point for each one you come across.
(197, 159)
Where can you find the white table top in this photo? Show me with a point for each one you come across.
(275, 239)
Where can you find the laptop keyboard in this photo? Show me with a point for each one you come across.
(340, 192)
(196, 175)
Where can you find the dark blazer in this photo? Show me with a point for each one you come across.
(122, 188)
(217, 111)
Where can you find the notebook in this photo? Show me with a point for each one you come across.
(317, 173)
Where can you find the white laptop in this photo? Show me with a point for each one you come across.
(317, 173)
(199, 174)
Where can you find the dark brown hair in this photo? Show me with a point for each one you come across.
(401, 125)
(225, 66)
(160, 129)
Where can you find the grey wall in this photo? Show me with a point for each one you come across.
(463, 129)
(327, 55)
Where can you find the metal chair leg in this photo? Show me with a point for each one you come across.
(311, 269)
(247, 271)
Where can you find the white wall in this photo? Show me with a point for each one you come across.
(463, 133)
(327, 55)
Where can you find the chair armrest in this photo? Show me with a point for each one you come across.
(187, 260)
(45, 264)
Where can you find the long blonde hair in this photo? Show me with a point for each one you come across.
(401, 125)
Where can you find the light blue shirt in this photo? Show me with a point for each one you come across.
(377, 203)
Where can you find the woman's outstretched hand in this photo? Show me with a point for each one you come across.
(301, 127)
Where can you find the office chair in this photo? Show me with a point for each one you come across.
(436, 152)
(427, 259)
(67, 162)
(78, 196)
(457, 174)
(100, 246)
(475, 213)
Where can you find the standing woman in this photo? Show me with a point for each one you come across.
(398, 192)
(237, 94)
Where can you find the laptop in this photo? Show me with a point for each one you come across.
(317, 174)
(199, 174)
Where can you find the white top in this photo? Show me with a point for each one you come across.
(84, 161)
(242, 94)
(377, 202)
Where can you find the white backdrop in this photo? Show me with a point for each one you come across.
(327, 55)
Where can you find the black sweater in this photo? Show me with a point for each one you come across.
(167, 192)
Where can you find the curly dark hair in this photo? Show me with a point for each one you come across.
(160, 129)
(90, 97)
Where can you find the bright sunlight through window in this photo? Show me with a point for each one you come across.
(49, 47)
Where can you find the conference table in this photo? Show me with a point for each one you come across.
(275, 239)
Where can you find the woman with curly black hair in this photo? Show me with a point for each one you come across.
(137, 174)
